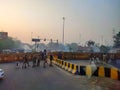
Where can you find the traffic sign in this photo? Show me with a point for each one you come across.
(35, 40)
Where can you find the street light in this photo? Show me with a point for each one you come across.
(63, 29)
(31, 37)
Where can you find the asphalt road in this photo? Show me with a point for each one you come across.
(51, 78)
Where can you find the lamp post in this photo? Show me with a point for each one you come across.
(63, 29)
(31, 37)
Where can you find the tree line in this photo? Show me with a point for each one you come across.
(10, 43)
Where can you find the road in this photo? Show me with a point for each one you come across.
(51, 78)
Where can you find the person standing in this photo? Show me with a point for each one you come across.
(51, 58)
(45, 58)
(34, 61)
(42, 55)
(59, 55)
(38, 59)
(25, 62)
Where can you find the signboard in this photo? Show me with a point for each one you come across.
(35, 40)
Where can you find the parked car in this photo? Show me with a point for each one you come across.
(1, 73)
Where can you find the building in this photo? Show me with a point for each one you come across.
(84, 49)
(3, 35)
(115, 50)
(88, 49)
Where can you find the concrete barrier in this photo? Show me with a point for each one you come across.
(114, 73)
(107, 72)
(119, 75)
(82, 70)
(74, 69)
(66, 66)
(101, 71)
(63, 66)
(70, 67)
(60, 63)
(89, 70)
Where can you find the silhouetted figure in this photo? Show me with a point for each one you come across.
(17, 65)
(25, 62)
(38, 60)
(34, 61)
(93, 59)
(42, 55)
(104, 58)
(59, 55)
(45, 58)
(51, 58)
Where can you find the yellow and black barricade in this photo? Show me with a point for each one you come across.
(96, 72)
(101, 71)
(66, 67)
(107, 72)
(74, 69)
(82, 70)
(70, 68)
(114, 73)
(119, 75)
(88, 70)
(63, 64)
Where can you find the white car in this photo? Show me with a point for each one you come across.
(1, 73)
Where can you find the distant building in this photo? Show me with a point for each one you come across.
(115, 50)
(84, 49)
(95, 49)
(3, 35)
(88, 49)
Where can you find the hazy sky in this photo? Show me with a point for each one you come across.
(85, 19)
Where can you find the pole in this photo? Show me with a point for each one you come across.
(63, 28)
(31, 37)
(38, 44)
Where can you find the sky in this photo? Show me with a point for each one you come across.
(84, 19)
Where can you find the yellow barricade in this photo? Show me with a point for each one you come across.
(66, 67)
(88, 70)
(74, 69)
(70, 68)
(63, 66)
(101, 71)
(114, 73)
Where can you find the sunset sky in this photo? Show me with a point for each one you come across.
(84, 19)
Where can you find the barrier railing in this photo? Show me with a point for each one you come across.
(65, 55)
(15, 57)
(85, 56)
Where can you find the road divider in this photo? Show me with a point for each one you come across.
(89, 70)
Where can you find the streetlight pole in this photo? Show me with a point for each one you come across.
(63, 29)
(31, 37)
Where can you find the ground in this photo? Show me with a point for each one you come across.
(51, 78)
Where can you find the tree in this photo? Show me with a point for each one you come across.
(6, 43)
(104, 49)
(73, 46)
(9, 43)
(117, 40)
(54, 46)
(90, 43)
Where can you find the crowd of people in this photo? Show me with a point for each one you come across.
(36, 60)
(104, 58)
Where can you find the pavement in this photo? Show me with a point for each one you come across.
(51, 78)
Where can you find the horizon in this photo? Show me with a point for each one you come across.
(84, 20)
